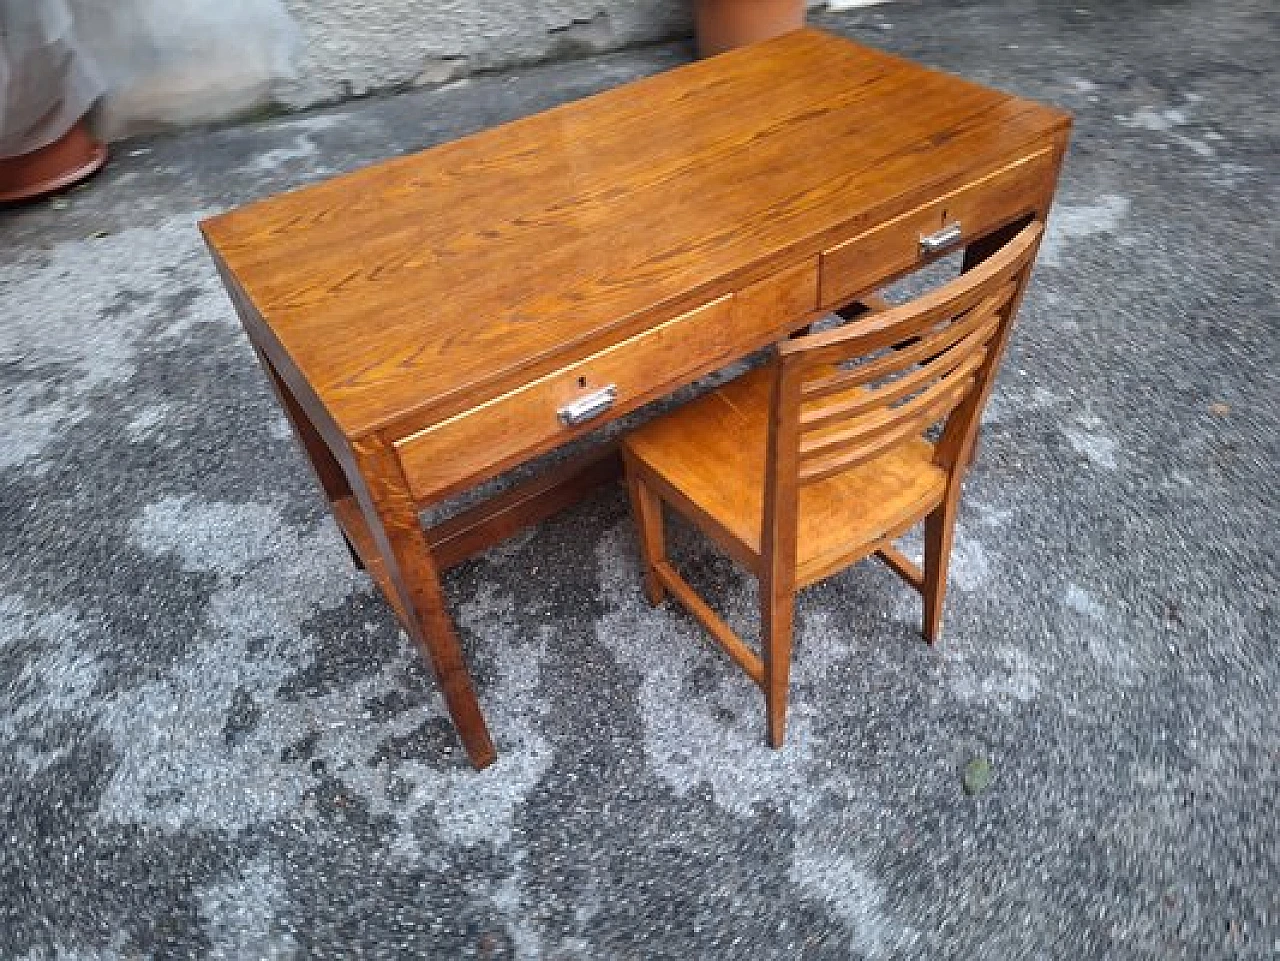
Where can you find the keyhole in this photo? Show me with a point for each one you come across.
(944, 215)
(582, 382)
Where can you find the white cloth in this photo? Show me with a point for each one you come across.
(47, 81)
(174, 62)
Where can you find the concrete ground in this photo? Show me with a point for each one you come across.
(215, 742)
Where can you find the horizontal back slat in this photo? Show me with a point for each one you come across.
(926, 347)
(903, 323)
(819, 468)
(817, 416)
(869, 426)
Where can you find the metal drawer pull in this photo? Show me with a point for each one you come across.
(588, 406)
(940, 240)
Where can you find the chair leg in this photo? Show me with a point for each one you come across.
(777, 611)
(939, 528)
(646, 507)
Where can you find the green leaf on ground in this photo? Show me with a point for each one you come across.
(977, 775)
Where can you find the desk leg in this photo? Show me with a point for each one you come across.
(396, 554)
(333, 480)
(413, 577)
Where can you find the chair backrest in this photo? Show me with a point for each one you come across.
(846, 396)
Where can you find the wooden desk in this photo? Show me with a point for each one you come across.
(427, 320)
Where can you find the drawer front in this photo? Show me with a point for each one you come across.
(950, 222)
(770, 307)
(439, 458)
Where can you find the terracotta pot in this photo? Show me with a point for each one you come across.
(725, 24)
(73, 157)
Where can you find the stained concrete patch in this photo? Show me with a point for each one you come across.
(823, 872)
(50, 678)
(1009, 676)
(240, 915)
(75, 290)
(710, 736)
(1166, 120)
(79, 321)
(280, 429)
(33, 422)
(177, 766)
(1080, 601)
(113, 952)
(148, 422)
(970, 570)
(172, 733)
(1069, 223)
(1102, 633)
(1088, 440)
(303, 151)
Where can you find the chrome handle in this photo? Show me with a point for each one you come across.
(940, 239)
(587, 406)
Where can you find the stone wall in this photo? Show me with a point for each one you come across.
(354, 46)
(173, 64)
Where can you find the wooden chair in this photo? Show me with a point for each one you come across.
(817, 460)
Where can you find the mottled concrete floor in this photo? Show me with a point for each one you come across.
(215, 742)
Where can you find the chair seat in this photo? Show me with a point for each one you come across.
(710, 456)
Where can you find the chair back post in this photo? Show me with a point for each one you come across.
(781, 487)
(1014, 261)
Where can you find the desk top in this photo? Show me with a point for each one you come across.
(435, 280)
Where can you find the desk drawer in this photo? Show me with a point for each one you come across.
(869, 259)
(528, 420)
